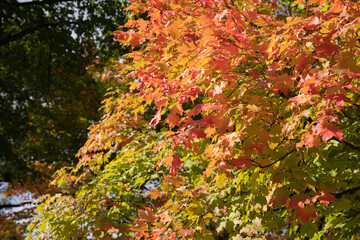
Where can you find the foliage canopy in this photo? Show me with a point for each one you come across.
(234, 119)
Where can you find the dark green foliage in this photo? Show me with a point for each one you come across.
(48, 95)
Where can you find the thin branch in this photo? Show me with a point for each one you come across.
(23, 33)
(351, 145)
(14, 205)
(287, 154)
(43, 2)
(354, 147)
(348, 191)
(29, 31)
(348, 116)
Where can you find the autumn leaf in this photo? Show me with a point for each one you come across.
(147, 215)
(155, 193)
(324, 198)
(140, 227)
(176, 162)
(241, 162)
(327, 131)
(166, 217)
(306, 213)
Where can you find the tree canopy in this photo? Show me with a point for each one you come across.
(52, 56)
(232, 119)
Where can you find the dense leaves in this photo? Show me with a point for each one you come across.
(241, 120)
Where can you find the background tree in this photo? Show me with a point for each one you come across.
(52, 59)
(240, 120)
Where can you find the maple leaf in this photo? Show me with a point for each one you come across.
(339, 99)
(301, 62)
(173, 120)
(107, 226)
(280, 196)
(176, 162)
(167, 160)
(210, 131)
(298, 201)
(328, 131)
(155, 193)
(313, 22)
(241, 162)
(147, 215)
(186, 232)
(140, 227)
(306, 213)
(177, 181)
(166, 217)
(327, 48)
(198, 133)
(324, 198)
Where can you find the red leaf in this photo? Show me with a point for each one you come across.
(327, 131)
(324, 198)
(173, 119)
(327, 48)
(306, 213)
(186, 232)
(280, 197)
(301, 62)
(198, 133)
(175, 164)
(339, 99)
(241, 162)
(258, 146)
(107, 226)
(298, 201)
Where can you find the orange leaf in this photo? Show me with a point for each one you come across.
(140, 227)
(155, 193)
(147, 215)
(210, 131)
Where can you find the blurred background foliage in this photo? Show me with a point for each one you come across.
(54, 56)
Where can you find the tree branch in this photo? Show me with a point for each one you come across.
(14, 205)
(351, 145)
(287, 154)
(354, 147)
(43, 2)
(347, 191)
(24, 33)
(29, 31)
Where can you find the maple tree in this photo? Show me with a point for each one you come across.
(232, 119)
